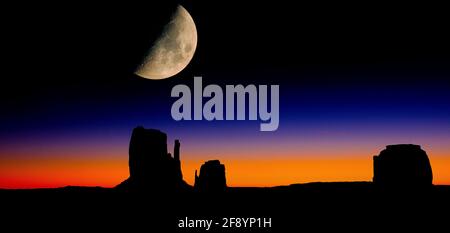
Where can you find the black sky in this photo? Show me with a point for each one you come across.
(66, 56)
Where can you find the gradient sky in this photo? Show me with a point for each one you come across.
(325, 134)
(348, 88)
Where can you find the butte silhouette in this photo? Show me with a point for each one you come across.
(152, 168)
(402, 166)
(212, 177)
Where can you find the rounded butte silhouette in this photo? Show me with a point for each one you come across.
(173, 50)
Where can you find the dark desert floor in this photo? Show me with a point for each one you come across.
(346, 206)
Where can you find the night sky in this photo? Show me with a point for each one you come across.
(353, 78)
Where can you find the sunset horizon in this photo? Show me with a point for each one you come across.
(264, 169)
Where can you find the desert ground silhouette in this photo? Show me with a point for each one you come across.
(155, 196)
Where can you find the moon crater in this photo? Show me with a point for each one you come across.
(173, 50)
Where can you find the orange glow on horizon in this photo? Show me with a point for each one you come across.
(38, 172)
(58, 172)
(285, 171)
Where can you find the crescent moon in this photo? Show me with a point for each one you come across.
(173, 50)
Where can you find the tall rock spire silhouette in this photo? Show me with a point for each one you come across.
(176, 157)
(151, 166)
(176, 151)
